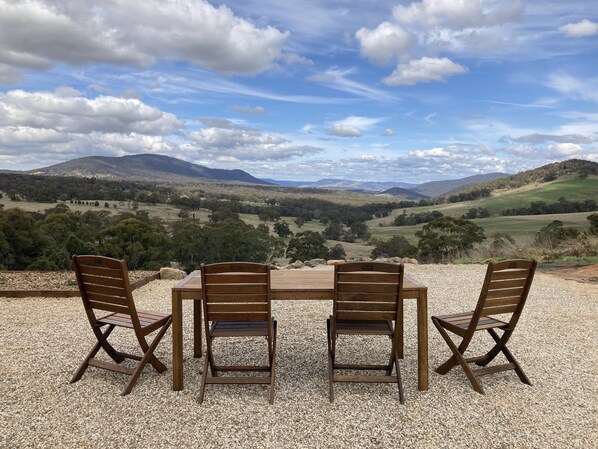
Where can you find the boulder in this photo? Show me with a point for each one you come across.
(171, 273)
(359, 259)
(314, 262)
(335, 262)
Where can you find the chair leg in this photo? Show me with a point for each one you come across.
(451, 361)
(273, 364)
(399, 379)
(330, 362)
(457, 354)
(148, 354)
(92, 353)
(509, 356)
(204, 376)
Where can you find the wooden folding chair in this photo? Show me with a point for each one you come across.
(368, 297)
(104, 286)
(504, 293)
(236, 301)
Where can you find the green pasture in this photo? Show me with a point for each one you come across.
(571, 188)
(521, 227)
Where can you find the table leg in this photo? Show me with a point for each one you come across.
(422, 340)
(177, 341)
(197, 328)
(400, 328)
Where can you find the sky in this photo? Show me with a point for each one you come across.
(370, 90)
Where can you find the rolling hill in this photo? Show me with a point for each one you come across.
(146, 167)
(437, 188)
(404, 194)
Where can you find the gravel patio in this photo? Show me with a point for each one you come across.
(43, 340)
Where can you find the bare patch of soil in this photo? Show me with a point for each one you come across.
(581, 273)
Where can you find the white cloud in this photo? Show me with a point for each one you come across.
(258, 110)
(62, 112)
(338, 79)
(582, 28)
(459, 14)
(584, 89)
(352, 126)
(424, 70)
(63, 124)
(385, 43)
(388, 132)
(341, 130)
(227, 142)
(40, 33)
(565, 149)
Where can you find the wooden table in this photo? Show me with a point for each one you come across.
(289, 285)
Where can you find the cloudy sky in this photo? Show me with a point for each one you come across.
(378, 90)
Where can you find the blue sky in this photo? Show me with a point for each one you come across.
(302, 90)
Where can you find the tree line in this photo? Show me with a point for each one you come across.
(562, 206)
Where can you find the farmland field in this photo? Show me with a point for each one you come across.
(521, 228)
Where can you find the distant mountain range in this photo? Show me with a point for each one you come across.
(147, 167)
(154, 167)
(343, 184)
(399, 189)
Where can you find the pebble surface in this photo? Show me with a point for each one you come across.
(43, 340)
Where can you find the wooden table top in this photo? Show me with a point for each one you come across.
(297, 284)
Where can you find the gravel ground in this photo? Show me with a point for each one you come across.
(50, 280)
(42, 341)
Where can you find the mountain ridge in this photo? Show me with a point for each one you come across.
(154, 167)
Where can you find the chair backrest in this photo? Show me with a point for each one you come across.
(236, 291)
(505, 290)
(367, 291)
(104, 285)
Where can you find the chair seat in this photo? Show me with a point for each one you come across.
(147, 319)
(459, 322)
(239, 328)
(364, 327)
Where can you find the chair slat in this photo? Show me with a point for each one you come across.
(237, 298)
(364, 315)
(101, 271)
(107, 299)
(236, 278)
(511, 274)
(499, 309)
(368, 277)
(236, 288)
(505, 293)
(368, 306)
(102, 280)
(506, 283)
(115, 292)
(366, 288)
(239, 316)
(236, 307)
(364, 297)
(511, 300)
(375, 267)
(239, 267)
(108, 307)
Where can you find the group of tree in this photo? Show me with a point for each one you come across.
(34, 241)
(562, 206)
(416, 218)
(338, 231)
(476, 212)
